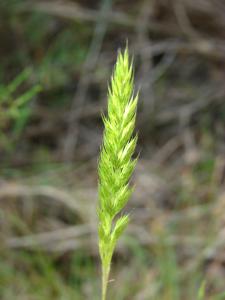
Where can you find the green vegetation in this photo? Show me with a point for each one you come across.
(56, 59)
(14, 110)
(116, 164)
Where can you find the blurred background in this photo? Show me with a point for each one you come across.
(56, 59)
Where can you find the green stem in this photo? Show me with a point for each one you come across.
(105, 279)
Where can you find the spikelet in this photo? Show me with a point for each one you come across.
(116, 163)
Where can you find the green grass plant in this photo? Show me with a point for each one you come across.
(116, 163)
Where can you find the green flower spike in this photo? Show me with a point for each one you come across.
(116, 164)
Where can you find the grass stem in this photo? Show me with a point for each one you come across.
(105, 279)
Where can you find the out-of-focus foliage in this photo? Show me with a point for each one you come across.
(14, 110)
